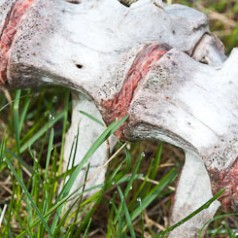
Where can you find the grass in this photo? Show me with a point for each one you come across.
(35, 208)
(136, 197)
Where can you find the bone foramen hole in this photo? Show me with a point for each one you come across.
(79, 66)
(74, 1)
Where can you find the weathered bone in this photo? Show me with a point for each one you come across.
(193, 190)
(86, 33)
(185, 97)
(80, 137)
(132, 59)
(186, 104)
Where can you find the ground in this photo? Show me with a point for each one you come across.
(131, 204)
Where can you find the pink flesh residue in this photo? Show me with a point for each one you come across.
(227, 179)
(9, 30)
(117, 107)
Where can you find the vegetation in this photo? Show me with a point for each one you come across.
(136, 197)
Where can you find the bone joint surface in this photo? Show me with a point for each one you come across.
(157, 63)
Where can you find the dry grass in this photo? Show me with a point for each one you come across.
(224, 16)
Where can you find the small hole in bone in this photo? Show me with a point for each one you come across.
(74, 1)
(79, 66)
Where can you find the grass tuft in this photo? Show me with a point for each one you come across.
(136, 197)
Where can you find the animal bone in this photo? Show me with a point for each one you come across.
(138, 60)
(186, 104)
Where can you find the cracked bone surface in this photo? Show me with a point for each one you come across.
(117, 57)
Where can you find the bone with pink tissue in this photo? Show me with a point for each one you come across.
(159, 64)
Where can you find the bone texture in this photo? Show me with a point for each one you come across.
(191, 189)
(81, 135)
(184, 94)
(102, 32)
(181, 97)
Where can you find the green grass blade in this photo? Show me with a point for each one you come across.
(92, 118)
(152, 172)
(47, 190)
(127, 214)
(16, 119)
(46, 215)
(49, 151)
(2, 149)
(41, 217)
(97, 200)
(109, 131)
(155, 192)
(156, 163)
(43, 130)
(24, 111)
(129, 185)
(101, 139)
(204, 206)
(201, 232)
(85, 235)
(65, 127)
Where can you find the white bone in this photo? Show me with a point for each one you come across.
(190, 195)
(90, 47)
(81, 135)
(101, 32)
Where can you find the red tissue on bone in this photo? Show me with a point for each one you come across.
(8, 33)
(117, 107)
